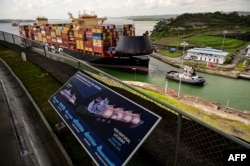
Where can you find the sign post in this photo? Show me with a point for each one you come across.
(108, 125)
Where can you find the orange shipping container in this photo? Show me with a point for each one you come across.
(44, 39)
(79, 44)
(49, 41)
(98, 49)
(88, 43)
(65, 36)
(88, 49)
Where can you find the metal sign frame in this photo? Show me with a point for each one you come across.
(108, 125)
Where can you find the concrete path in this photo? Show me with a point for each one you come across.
(25, 136)
(9, 149)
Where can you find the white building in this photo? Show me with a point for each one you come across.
(207, 54)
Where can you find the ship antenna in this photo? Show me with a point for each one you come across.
(70, 15)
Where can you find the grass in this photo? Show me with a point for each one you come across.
(33, 78)
(170, 54)
(242, 65)
(216, 42)
(204, 40)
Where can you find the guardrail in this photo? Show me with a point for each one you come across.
(178, 139)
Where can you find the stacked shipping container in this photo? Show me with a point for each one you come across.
(99, 40)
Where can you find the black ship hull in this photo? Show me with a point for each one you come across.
(139, 63)
(132, 53)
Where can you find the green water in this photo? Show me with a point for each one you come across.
(234, 92)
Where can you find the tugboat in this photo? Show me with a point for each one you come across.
(188, 76)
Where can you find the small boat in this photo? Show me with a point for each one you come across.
(187, 76)
(15, 24)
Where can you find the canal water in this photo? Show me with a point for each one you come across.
(227, 91)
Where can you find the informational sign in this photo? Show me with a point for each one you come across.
(108, 125)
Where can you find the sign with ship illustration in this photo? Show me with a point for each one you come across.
(108, 125)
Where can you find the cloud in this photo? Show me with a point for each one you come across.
(34, 4)
(114, 8)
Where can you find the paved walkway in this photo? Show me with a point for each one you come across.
(9, 149)
(25, 137)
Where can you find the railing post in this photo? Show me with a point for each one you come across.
(4, 36)
(46, 58)
(177, 141)
(79, 65)
(13, 38)
(25, 42)
(1, 35)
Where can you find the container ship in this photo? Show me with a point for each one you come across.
(89, 39)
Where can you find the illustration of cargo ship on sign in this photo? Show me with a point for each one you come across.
(89, 39)
(101, 108)
(67, 95)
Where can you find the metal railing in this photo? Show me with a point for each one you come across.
(179, 139)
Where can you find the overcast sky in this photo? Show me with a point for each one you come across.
(53, 9)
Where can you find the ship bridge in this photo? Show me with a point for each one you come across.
(86, 20)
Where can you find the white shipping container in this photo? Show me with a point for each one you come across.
(59, 40)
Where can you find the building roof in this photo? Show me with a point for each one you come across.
(208, 50)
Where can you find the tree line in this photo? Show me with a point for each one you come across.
(194, 21)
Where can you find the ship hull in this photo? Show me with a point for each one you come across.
(139, 63)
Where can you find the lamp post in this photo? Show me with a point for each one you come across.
(224, 33)
(166, 87)
(135, 72)
(184, 44)
(178, 31)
